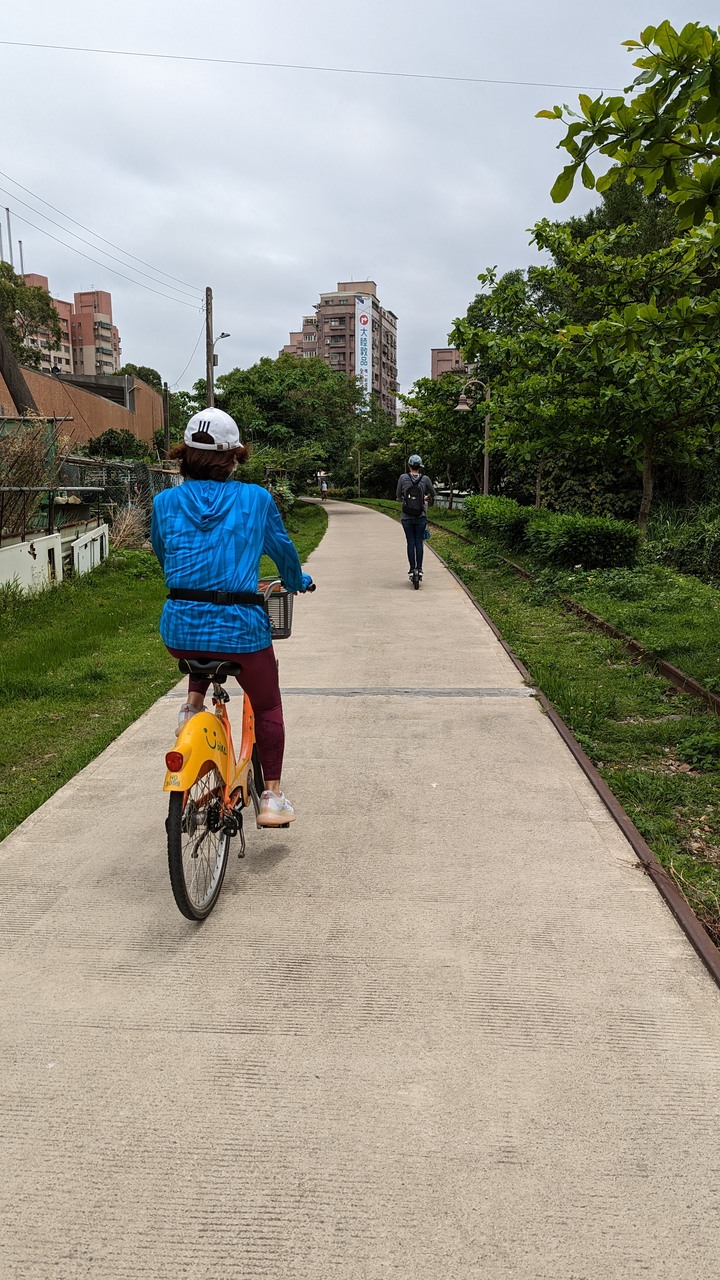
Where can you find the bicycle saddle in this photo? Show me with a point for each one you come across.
(213, 669)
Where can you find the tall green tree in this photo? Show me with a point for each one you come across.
(27, 312)
(664, 130)
(607, 354)
(289, 402)
(144, 372)
(451, 443)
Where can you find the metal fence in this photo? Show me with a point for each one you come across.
(121, 485)
(28, 471)
(41, 490)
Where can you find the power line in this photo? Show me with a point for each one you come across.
(92, 246)
(71, 247)
(89, 229)
(298, 66)
(67, 218)
(187, 366)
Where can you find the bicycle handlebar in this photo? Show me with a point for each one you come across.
(277, 582)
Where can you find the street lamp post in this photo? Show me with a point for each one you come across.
(464, 406)
(357, 446)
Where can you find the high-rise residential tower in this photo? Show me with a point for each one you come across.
(90, 342)
(351, 331)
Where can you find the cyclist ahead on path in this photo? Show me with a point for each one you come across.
(414, 490)
(209, 534)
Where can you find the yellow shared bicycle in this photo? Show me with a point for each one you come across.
(209, 785)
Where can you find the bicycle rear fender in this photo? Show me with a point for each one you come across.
(203, 743)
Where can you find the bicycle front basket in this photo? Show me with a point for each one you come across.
(280, 611)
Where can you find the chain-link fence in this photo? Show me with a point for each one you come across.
(28, 473)
(42, 490)
(126, 489)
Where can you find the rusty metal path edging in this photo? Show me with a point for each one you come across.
(681, 909)
(678, 679)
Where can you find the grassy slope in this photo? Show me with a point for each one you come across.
(82, 661)
(676, 617)
(643, 736)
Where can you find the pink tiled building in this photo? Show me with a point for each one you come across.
(90, 342)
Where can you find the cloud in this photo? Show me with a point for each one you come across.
(271, 185)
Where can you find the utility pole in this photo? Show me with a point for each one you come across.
(209, 349)
(166, 418)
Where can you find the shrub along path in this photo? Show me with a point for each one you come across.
(83, 660)
(658, 749)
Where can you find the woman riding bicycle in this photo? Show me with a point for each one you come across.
(209, 534)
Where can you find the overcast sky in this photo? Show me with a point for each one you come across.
(271, 184)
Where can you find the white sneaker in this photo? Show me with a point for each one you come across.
(185, 714)
(275, 810)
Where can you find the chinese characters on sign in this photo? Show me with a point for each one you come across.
(363, 342)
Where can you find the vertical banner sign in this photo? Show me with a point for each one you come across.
(363, 342)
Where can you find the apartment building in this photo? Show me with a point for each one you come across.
(352, 332)
(51, 356)
(445, 360)
(90, 342)
(95, 340)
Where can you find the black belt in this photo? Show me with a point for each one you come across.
(218, 597)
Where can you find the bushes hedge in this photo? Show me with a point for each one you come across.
(552, 538)
(595, 542)
(690, 546)
(500, 519)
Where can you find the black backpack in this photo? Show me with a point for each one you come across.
(414, 499)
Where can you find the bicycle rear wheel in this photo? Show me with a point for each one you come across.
(198, 846)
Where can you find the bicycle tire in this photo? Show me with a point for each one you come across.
(197, 878)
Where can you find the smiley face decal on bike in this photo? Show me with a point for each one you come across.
(216, 745)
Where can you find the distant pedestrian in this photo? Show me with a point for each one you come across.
(324, 490)
(414, 490)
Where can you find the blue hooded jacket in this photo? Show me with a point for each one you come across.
(209, 535)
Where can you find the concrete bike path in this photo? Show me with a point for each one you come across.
(442, 1029)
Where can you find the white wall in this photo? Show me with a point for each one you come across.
(90, 549)
(34, 564)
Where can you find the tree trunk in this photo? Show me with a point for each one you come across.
(450, 499)
(648, 481)
(12, 373)
(538, 483)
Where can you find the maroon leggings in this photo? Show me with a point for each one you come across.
(259, 679)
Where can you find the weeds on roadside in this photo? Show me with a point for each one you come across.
(79, 662)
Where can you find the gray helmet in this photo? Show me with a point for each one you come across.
(415, 460)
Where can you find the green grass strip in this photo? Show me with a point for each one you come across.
(84, 659)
